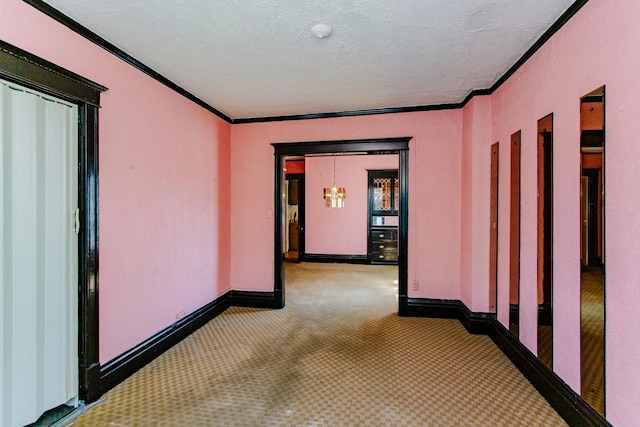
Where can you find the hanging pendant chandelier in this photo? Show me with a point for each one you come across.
(334, 196)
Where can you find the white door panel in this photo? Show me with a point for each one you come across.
(39, 254)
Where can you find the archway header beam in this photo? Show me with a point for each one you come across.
(370, 146)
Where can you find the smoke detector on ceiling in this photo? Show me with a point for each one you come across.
(321, 31)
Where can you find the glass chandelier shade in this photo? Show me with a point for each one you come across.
(334, 196)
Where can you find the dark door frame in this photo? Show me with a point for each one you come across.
(398, 146)
(21, 67)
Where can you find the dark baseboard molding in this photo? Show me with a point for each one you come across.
(330, 258)
(427, 307)
(254, 299)
(475, 323)
(123, 366)
(574, 410)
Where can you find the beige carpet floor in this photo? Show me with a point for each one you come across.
(337, 355)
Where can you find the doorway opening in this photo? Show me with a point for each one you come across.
(398, 146)
(294, 195)
(20, 67)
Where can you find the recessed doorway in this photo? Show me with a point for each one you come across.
(399, 146)
(294, 211)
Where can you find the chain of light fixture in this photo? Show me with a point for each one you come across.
(334, 196)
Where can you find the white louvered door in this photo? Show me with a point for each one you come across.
(38, 255)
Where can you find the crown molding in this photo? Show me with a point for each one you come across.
(111, 48)
(93, 37)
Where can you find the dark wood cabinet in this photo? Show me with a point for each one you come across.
(382, 236)
(383, 244)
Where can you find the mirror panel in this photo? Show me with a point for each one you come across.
(545, 240)
(514, 237)
(592, 278)
(493, 230)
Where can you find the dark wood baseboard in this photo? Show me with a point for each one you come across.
(570, 406)
(123, 366)
(254, 299)
(475, 323)
(427, 307)
(329, 258)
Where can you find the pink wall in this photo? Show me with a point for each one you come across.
(574, 62)
(476, 174)
(348, 225)
(166, 164)
(434, 193)
(593, 49)
(164, 197)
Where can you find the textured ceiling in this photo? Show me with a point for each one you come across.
(257, 58)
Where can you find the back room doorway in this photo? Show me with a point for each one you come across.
(294, 195)
(285, 151)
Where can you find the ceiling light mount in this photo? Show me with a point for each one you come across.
(321, 31)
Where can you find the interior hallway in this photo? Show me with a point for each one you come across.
(336, 355)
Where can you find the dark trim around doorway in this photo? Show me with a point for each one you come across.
(21, 67)
(398, 146)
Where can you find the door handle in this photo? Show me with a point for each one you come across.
(76, 221)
